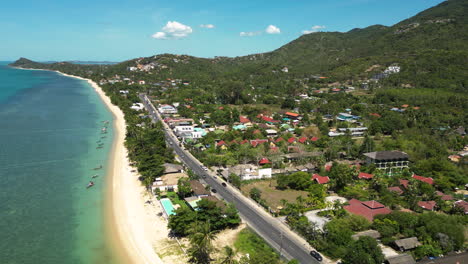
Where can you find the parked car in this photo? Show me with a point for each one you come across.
(204, 168)
(214, 190)
(223, 184)
(316, 255)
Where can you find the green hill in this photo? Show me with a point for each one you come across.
(431, 48)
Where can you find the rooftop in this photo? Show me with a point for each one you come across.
(367, 209)
(387, 155)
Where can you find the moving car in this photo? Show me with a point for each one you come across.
(316, 255)
(204, 168)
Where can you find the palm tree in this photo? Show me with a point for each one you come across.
(201, 246)
(230, 254)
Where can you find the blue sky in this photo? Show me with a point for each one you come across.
(123, 29)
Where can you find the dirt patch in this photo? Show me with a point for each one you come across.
(271, 195)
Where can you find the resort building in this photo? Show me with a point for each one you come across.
(387, 160)
(367, 209)
(167, 182)
(167, 109)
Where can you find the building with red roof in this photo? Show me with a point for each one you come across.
(396, 189)
(428, 205)
(367, 176)
(264, 161)
(279, 140)
(291, 140)
(367, 209)
(328, 167)
(404, 183)
(244, 141)
(269, 119)
(302, 140)
(462, 204)
(244, 120)
(375, 115)
(257, 142)
(423, 179)
(313, 139)
(443, 196)
(221, 143)
(292, 115)
(320, 179)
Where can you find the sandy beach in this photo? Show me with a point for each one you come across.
(135, 228)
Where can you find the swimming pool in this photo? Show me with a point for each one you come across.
(168, 206)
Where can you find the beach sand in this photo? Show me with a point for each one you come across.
(135, 228)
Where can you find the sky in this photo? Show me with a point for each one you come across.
(117, 30)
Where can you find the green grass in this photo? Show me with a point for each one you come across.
(175, 199)
(249, 242)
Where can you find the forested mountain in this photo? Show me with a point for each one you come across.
(431, 48)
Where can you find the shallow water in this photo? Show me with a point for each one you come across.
(50, 128)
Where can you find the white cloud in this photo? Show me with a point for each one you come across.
(272, 30)
(207, 26)
(159, 35)
(173, 30)
(313, 29)
(249, 34)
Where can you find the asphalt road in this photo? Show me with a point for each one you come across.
(267, 227)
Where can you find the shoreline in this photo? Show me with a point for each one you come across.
(129, 223)
(133, 229)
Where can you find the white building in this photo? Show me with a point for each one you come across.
(184, 131)
(167, 109)
(137, 106)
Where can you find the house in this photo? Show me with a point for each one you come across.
(292, 115)
(375, 115)
(271, 132)
(443, 196)
(269, 119)
(198, 189)
(167, 182)
(407, 243)
(218, 202)
(404, 183)
(137, 106)
(184, 131)
(395, 189)
(346, 117)
(427, 205)
(250, 172)
(167, 109)
(244, 120)
(423, 179)
(264, 161)
(222, 145)
(172, 168)
(141, 82)
(387, 159)
(320, 179)
(367, 209)
(256, 142)
(314, 139)
(462, 204)
(367, 176)
(291, 140)
(370, 233)
(192, 201)
(302, 140)
(401, 259)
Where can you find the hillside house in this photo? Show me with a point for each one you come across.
(167, 110)
(387, 159)
(407, 243)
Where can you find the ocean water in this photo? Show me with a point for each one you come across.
(50, 128)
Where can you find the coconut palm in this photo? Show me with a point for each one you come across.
(229, 256)
(201, 246)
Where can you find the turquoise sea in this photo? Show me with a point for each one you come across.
(50, 128)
